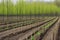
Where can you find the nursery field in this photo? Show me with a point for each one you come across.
(28, 28)
(29, 20)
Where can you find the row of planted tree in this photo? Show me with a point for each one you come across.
(27, 8)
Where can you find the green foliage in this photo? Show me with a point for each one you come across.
(27, 8)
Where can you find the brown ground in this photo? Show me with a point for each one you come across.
(34, 24)
(52, 33)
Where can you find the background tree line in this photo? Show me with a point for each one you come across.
(29, 8)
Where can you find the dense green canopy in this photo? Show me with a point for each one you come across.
(27, 8)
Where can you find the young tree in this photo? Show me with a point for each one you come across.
(58, 3)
